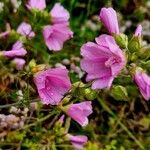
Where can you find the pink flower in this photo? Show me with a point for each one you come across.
(19, 63)
(138, 31)
(36, 4)
(77, 141)
(55, 36)
(4, 34)
(26, 30)
(17, 50)
(79, 112)
(102, 61)
(52, 84)
(61, 119)
(59, 14)
(143, 82)
(109, 19)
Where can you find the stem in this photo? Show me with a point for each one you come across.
(17, 103)
(38, 121)
(104, 105)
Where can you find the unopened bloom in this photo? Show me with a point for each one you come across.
(79, 112)
(19, 62)
(4, 34)
(17, 50)
(52, 84)
(55, 36)
(25, 29)
(138, 31)
(77, 141)
(36, 4)
(108, 17)
(59, 14)
(143, 82)
(102, 61)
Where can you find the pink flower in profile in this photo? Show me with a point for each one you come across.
(77, 141)
(19, 62)
(17, 50)
(52, 84)
(102, 61)
(55, 36)
(79, 112)
(25, 29)
(36, 4)
(138, 31)
(59, 14)
(108, 17)
(4, 34)
(143, 82)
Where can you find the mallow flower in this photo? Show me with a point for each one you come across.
(25, 29)
(108, 17)
(80, 112)
(59, 14)
(138, 31)
(36, 4)
(55, 36)
(4, 34)
(102, 61)
(19, 62)
(78, 141)
(17, 50)
(52, 84)
(143, 82)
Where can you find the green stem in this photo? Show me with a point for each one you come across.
(104, 105)
(38, 121)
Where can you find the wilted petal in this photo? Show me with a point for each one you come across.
(77, 141)
(17, 50)
(19, 63)
(36, 4)
(26, 30)
(56, 35)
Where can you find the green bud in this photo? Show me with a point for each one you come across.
(32, 64)
(133, 57)
(134, 44)
(90, 94)
(119, 93)
(78, 84)
(66, 100)
(121, 39)
(38, 68)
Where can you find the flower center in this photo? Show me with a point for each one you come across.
(111, 61)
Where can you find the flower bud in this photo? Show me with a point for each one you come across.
(119, 92)
(121, 39)
(38, 68)
(32, 64)
(90, 94)
(135, 44)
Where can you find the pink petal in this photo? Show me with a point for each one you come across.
(109, 18)
(59, 14)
